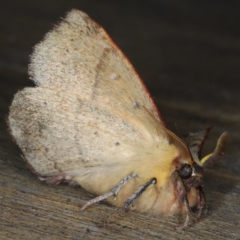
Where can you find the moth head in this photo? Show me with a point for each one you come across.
(192, 173)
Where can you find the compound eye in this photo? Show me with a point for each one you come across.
(185, 171)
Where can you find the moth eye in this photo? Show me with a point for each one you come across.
(185, 171)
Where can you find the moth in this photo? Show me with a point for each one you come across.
(90, 120)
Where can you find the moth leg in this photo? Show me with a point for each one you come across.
(131, 200)
(186, 204)
(202, 202)
(113, 192)
(60, 178)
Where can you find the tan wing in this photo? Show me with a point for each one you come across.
(80, 58)
(58, 133)
(89, 106)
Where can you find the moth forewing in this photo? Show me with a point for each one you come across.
(80, 48)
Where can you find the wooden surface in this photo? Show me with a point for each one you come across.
(188, 54)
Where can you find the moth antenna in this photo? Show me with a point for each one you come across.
(113, 191)
(195, 143)
(217, 153)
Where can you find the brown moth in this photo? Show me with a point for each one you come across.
(90, 120)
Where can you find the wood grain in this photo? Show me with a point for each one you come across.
(188, 55)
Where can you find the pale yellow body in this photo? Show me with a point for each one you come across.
(91, 119)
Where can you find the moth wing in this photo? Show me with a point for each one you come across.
(62, 134)
(89, 110)
(78, 57)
